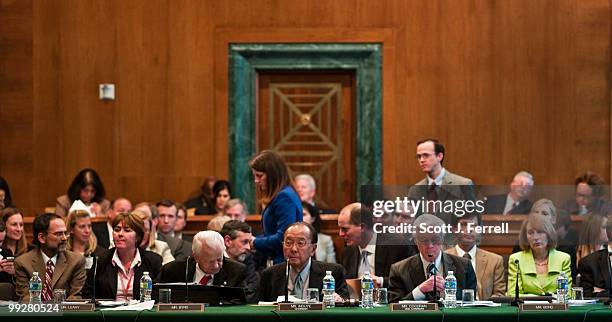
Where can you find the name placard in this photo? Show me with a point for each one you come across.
(544, 307)
(421, 307)
(80, 307)
(169, 307)
(288, 307)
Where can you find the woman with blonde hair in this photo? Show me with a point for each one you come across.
(150, 242)
(82, 240)
(593, 236)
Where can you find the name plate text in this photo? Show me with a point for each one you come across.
(288, 307)
(421, 307)
(544, 307)
(169, 307)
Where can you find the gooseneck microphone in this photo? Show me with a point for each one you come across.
(609, 300)
(287, 283)
(186, 280)
(95, 271)
(516, 301)
(433, 271)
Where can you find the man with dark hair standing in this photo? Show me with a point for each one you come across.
(165, 222)
(439, 184)
(57, 267)
(237, 238)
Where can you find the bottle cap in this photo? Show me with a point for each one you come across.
(328, 272)
(450, 272)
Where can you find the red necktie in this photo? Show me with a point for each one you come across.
(47, 292)
(205, 279)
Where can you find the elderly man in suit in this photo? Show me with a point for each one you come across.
(515, 202)
(299, 247)
(439, 184)
(489, 267)
(57, 267)
(413, 278)
(208, 266)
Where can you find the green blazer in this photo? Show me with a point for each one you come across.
(529, 283)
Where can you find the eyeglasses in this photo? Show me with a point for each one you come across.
(61, 234)
(433, 241)
(300, 243)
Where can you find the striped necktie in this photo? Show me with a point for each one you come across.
(47, 292)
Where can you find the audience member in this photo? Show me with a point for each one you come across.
(413, 277)
(439, 183)
(6, 200)
(121, 268)
(590, 189)
(164, 222)
(299, 247)
(281, 204)
(236, 209)
(366, 250)
(593, 236)
(594, 270)
(539, 263)
(181, 223)
(104, 230)
(208, 265)
(515, 202)
(82, 240)
(7, 269)
(88, 188)
(149, 240)
(306, 188)
(202, 204)
(237, 238)
(325, 244)
(15, 243)
(489, 267)
(57, 267)
(222, 192)
(216, 224)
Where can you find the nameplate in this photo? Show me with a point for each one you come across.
(288, 307)
(414, 307)
(544, 307)
(81, 307)
(193, 307)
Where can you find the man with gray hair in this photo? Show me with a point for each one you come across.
(306, 188)
(515, 202)
(413, 278)
(236, 209)
(207, 265)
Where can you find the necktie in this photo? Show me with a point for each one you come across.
(430, 269)
(364, 266)
(467, 256)
(432, 194)
(204, 280)
(297, 287)
(47, 292)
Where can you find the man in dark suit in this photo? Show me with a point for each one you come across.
(164, 220)
(594, 270)
(237, 238)
(208, 265)
(515, 202)
(299, 248)
(366, 250)
(413, 279)
(103, 230)
(57, 267)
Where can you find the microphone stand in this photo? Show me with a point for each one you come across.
(516, 301)
(186, 281)
(287, 284)
(93, 293)
(609, 300)
(436, 298)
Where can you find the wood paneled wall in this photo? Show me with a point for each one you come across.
(506, 85)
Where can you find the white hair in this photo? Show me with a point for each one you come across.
(309, 179)
(525, 174)
(210, 238)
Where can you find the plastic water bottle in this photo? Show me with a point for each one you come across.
(35, 289)
(450, 290)
(367, 288)
(146, 287)
(329, 287)
(562, 288)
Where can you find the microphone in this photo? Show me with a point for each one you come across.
(287, 283)
(433, 271)
(516, 300)
(187, 281)
(95, 271)
(609, 300)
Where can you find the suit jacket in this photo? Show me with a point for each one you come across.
(68, 274)
(495, 205)
(273, 281)
(385, 254)
(284, 209)
(106, 276)
(179, 248)
(528, 281)
(490, 274)
(453, 187)
(409, 273)
(325, 249)
(63, 204)
(4, 276)
(594, 272)
(252, 278)
(100, 229)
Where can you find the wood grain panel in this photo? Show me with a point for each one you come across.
(507, 85)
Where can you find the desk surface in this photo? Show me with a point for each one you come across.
(593, 313)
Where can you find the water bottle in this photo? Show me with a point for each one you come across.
(562, 288)
(329, 287)
(35, 289)
(146, 287)
(367, 288)
(450, 290)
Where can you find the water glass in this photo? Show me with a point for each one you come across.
(577, 293)
(467, 296)
(59, 296)
(313, 295)
(381, 296)
(165, 295)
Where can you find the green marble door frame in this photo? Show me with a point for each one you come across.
(246, 59)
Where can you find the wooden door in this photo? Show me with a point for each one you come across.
(308, 118)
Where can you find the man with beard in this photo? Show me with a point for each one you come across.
(237, 237)
(56, 267)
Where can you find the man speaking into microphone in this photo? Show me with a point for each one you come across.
(413, 278)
